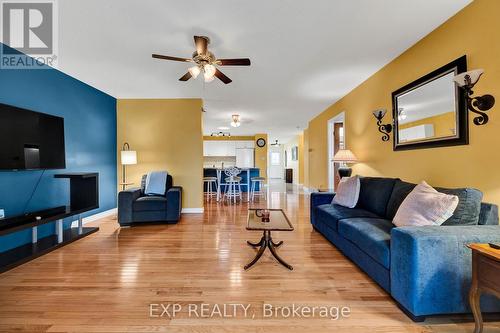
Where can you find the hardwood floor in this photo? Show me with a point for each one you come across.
(107, 281)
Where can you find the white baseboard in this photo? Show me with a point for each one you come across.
(192, 210)
(96, 217)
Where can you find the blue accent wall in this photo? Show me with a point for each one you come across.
(90, 135)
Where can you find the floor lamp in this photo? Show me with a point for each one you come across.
(128, 157)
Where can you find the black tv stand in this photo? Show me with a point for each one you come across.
(84, 196)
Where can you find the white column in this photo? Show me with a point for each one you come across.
(34, 235)
(59, 231)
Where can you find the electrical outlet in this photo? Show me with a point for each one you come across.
(2, 213)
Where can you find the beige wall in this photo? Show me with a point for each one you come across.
(167, 135)
(475, 32)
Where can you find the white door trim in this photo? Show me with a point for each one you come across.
(340, 118)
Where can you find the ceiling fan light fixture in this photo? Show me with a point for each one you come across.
(194, 71)
(236, 120)
(208, 79)
(209, 72)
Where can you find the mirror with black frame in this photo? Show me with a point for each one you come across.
(431, 111)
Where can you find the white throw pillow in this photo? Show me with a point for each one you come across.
(425, 206)
(347, 193)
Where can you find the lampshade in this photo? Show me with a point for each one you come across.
(379, 114)
(345, 155)
(474, 76)
(209, 72)
(194, 71)
(128, 157)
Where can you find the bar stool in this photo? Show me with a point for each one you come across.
(210, 182)
(233, 184)
(260, 192)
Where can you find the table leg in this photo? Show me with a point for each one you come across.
(276, 245)
(272, 248)
(255, 244)
(474, 298)
(262, 244)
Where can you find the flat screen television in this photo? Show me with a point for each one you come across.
(30, 140)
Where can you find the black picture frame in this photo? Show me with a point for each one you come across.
(459, 66)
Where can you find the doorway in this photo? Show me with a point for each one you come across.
(276, 162)
(336, 141)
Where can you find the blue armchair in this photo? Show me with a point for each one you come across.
(134, 206)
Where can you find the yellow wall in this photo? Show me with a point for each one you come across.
(306, 158)
(167, 135)
(443, 124)
(301, 158)
(475, 32)
(261, 155)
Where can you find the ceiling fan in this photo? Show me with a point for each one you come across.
(205, 62)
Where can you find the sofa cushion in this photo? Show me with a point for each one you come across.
(372, 235)
(347, 192)
(399, 193)
(467, 212)
(469, 206)
(375, 193)
(425, 206)
(150, 203)
(169, 184)
(330, 214)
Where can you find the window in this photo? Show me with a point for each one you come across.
(275, 158)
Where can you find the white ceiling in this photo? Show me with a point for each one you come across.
(305, 54)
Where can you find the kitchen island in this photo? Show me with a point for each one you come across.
(246, 174)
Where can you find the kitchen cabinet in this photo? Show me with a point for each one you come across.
(244, 157)
(225, 147)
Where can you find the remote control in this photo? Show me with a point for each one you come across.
(495, 245)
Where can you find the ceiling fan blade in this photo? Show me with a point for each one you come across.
(222, 77)
(164, 57)
(234, 62)
(185, 77)
(201, 44)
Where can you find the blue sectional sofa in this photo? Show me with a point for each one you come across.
(427, 270)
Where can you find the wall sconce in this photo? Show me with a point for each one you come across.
(477, 104)
(384, 129)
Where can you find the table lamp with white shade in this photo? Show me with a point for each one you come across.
(344, 157)
(128, 157)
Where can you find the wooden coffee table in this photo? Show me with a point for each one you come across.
(277, 222)
(485, 273)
